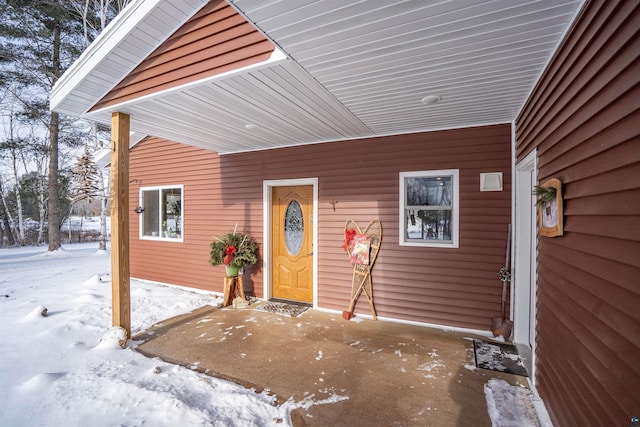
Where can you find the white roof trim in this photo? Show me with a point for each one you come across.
(104, 44)
(107, 42)
(277, 56)
(102, 157)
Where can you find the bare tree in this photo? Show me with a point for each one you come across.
(39, 40)
(5, 217)
(11, 148)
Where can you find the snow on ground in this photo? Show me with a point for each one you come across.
(54, 369)
(87, 223)
(514, 406)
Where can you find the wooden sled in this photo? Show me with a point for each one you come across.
(362, 272)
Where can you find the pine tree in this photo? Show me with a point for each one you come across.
(86, 184)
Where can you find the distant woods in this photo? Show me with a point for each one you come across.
(46, 159)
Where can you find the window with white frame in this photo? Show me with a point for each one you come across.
(162, 214)
(429, 204)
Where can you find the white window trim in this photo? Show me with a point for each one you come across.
(141, 235)
(455, 211)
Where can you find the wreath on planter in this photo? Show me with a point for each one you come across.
(233, 249)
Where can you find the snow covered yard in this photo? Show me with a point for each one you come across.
(54, 369)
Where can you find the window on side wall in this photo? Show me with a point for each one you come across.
(429, 205)
(162, 215)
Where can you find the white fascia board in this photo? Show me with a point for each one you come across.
(135, 137)
(102, 157)
(107, 42)
(277, 57)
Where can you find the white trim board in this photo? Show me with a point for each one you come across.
(267, 185)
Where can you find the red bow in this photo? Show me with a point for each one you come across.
(229, 254)
(349, 235)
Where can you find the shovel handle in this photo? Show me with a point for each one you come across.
(504, 296)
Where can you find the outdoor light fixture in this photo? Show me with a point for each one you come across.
(139, 210)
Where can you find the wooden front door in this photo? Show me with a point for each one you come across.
(292, 243)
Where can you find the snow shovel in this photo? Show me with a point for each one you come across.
(501, 325)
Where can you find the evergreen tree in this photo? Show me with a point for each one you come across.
(86, 184)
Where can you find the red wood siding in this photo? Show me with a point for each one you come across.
(584, 120)
(216, 40)
(155, 162)
(455, 287)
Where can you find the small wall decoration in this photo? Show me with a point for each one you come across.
(550, 209)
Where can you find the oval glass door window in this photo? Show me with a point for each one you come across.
(293, 227)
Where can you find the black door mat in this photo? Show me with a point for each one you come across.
(286, 309)
(499, 357)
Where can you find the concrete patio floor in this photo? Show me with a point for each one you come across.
(347, 373)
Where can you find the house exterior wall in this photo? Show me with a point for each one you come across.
(356, 180)
(156, 162)
(215, 40)
(583, 119)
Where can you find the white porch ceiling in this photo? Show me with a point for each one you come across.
(353, 69)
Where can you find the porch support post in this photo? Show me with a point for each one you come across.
(119, 193)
